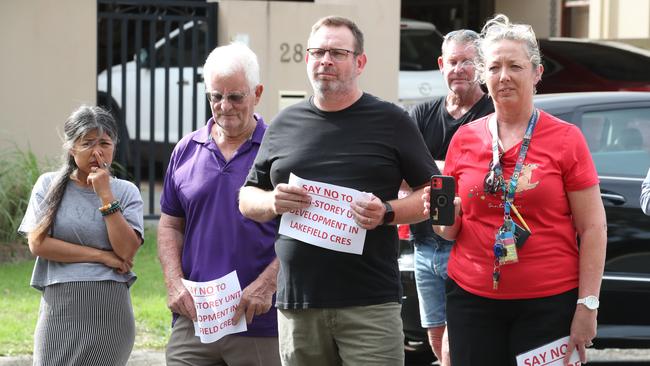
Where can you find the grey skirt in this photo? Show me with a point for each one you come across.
(84, 323)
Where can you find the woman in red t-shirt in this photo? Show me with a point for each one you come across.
(506, 294)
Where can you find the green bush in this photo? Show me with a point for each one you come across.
(18, 172)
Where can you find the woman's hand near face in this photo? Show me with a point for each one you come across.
(124, 240)
(99, 178)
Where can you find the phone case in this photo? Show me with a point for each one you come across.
(443, 190)
(521, 235)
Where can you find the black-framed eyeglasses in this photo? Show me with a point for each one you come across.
(233, 98)
(337, 54)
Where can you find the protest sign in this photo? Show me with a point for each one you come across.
(551, 354)
(216, 302)
(328, 222)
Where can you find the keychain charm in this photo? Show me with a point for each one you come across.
(505, 248)
(496, 275)
(505, 251)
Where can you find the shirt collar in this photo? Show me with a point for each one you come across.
(202, 135)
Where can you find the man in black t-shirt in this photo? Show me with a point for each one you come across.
(339, 308)
(437, 121)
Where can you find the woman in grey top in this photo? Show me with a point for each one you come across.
(85, 228)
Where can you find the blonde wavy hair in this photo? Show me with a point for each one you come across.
(500, 28)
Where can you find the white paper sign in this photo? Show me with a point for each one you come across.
(328, 222)
(216, 302)
(551, 354)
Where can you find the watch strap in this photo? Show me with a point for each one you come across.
(389, 214)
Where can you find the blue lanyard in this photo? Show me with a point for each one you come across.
(509, 190)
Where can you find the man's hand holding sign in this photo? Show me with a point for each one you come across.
(287, 197)
(179, 300)
(329, 220)
(216, 302)
(257, 297)
(368, 212)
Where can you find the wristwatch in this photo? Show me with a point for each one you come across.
(389, 215)
(591, 302)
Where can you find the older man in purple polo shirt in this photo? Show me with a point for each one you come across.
(202, 235)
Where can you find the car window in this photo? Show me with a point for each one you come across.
(605, 61)
(619, 141)
(419, 49)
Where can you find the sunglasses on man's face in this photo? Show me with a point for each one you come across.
(233, 98)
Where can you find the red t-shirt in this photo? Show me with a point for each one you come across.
(557, 161)
(403, 232)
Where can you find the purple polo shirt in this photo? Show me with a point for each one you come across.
(202, 187)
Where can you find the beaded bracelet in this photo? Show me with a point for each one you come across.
(110, 208)
(108, 205)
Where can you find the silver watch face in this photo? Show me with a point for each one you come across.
(591, 302)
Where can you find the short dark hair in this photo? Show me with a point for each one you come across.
(338, 21)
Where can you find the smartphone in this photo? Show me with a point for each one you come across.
(521, 235)
(443, 191)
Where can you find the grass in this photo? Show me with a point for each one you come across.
(19, 303)
(18, 172)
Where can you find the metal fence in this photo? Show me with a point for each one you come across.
(149, 65)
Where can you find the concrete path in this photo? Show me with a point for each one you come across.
(138, 358)
(157, 358)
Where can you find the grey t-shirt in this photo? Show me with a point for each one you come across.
(79, 221)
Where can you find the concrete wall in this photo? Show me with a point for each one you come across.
(279, 38)
(47, 68)
(534, 12)
(580, 23)
(616, 20)
(49, 53)
(623, 20)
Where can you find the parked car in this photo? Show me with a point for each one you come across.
(570, 65)
(181, 98)
(419, 76)
(574, 65)
(616, 126)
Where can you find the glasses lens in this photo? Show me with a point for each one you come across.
(214, 97)
(317, 53)
(338, 55)
(467, 64)
(236, 98)
(233, 98)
